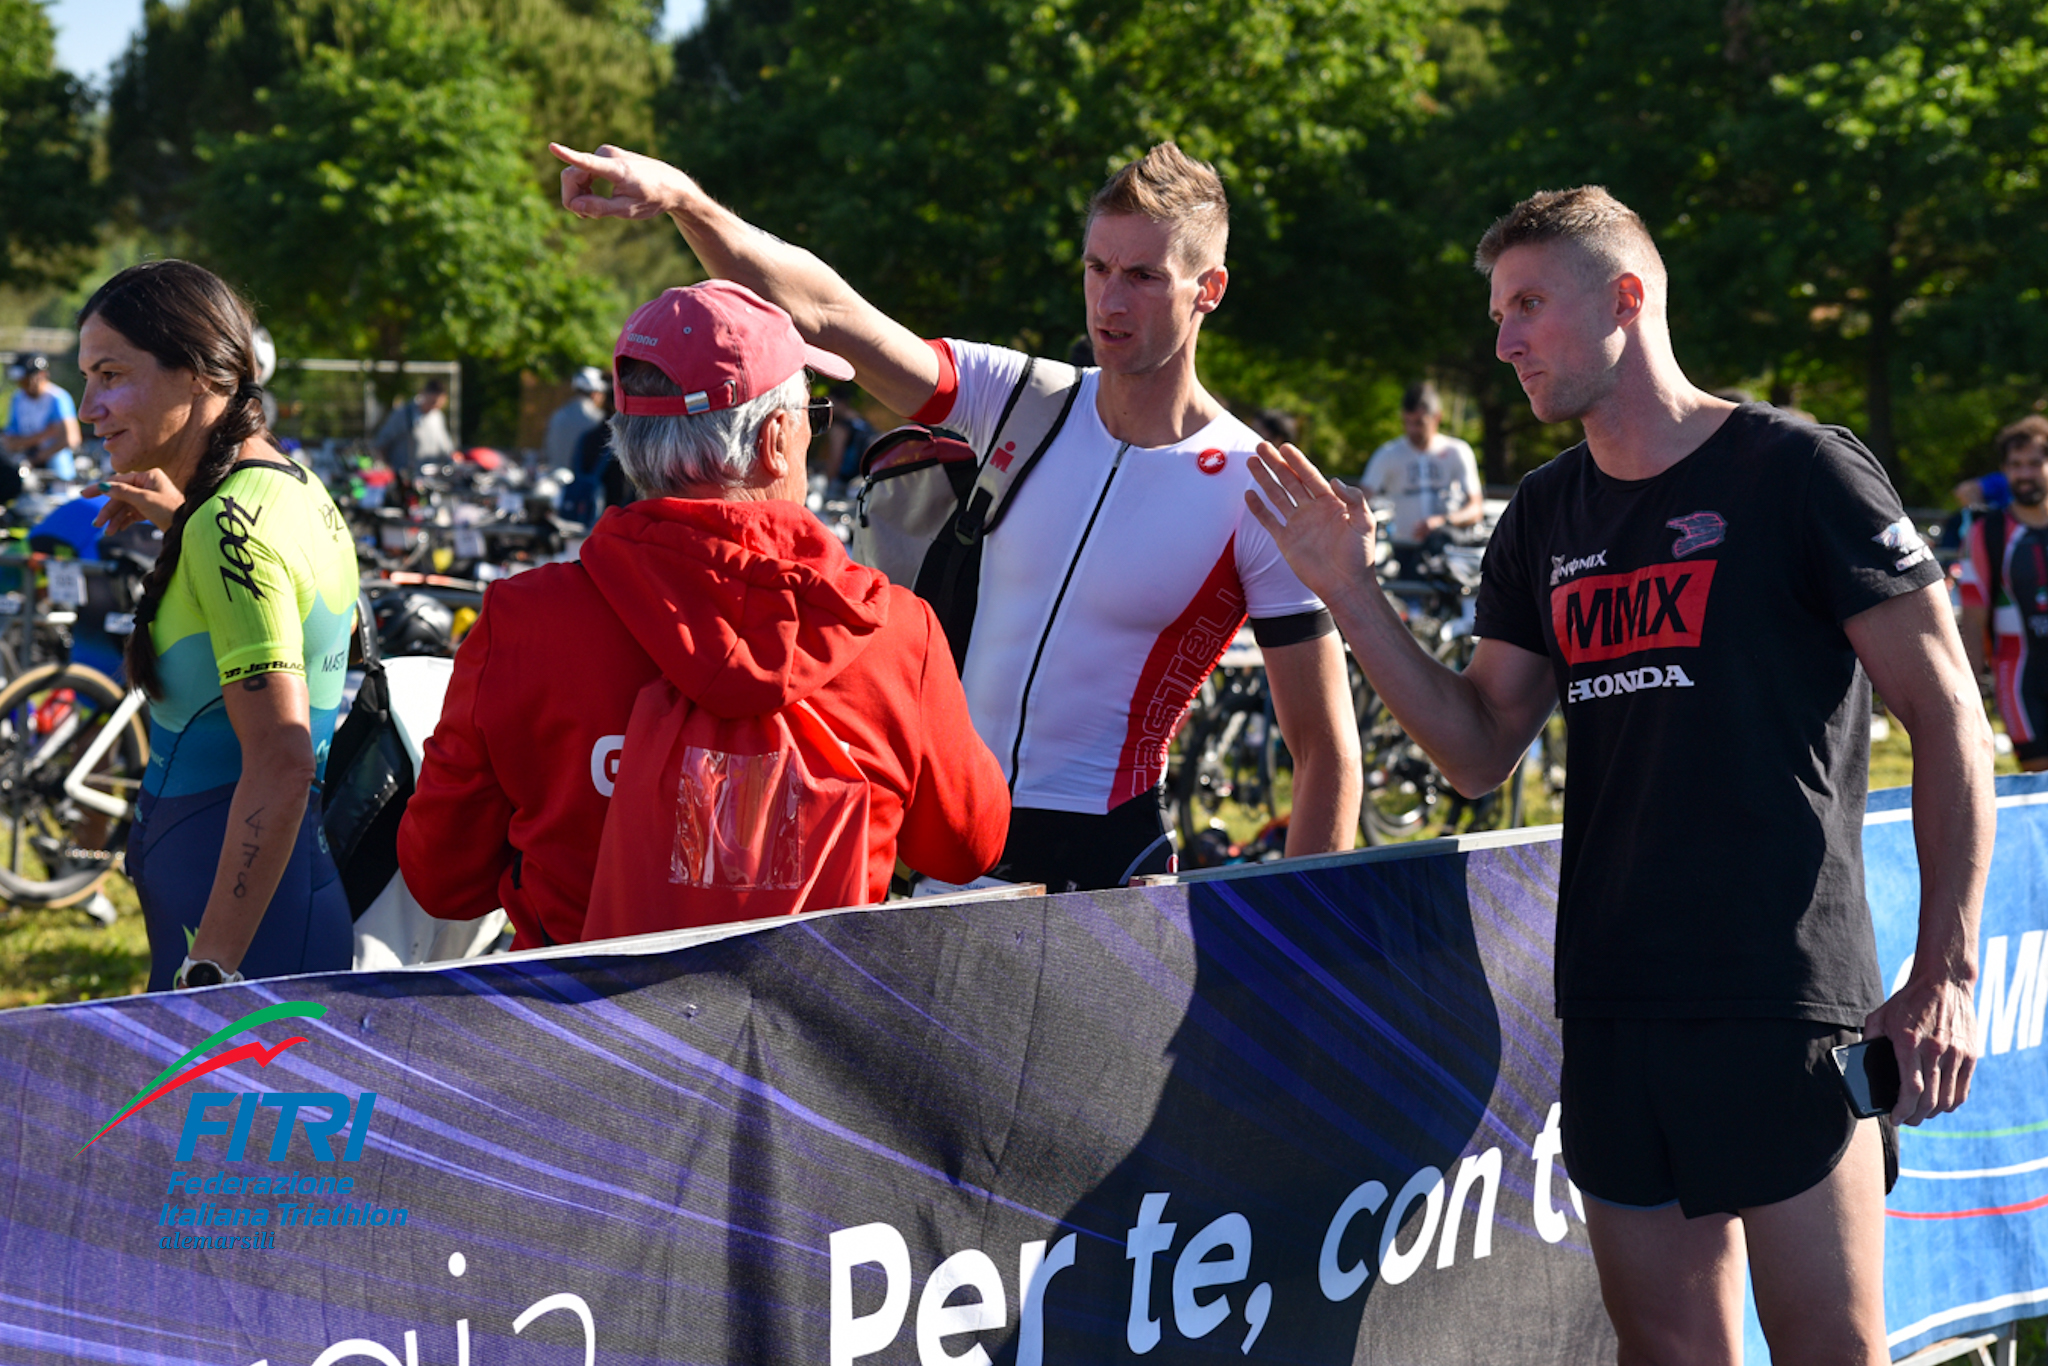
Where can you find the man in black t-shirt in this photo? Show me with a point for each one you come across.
(1709, 589)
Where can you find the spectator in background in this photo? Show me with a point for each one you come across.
(600, 479)
(42, 423)
(846, 441)
(1431, 479)
(416, 432)
(2004, 582)
(574, 419)
(1986, 491)
(720, 582)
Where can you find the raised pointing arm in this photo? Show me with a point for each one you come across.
(889, 360)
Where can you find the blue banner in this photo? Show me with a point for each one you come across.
(1966, 1240)
(1306, 1115)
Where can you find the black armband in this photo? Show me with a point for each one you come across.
(1272, 632)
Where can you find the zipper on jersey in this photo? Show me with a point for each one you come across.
(1024, 702)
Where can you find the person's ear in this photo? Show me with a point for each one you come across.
(1209, 287)
(768, 445)
(1629, 295)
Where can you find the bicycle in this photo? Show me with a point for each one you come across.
(1406, 795)
(1229, 752)
(73, 748)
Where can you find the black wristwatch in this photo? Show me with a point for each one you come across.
(202, 972)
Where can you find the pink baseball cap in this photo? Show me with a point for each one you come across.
(721, 342)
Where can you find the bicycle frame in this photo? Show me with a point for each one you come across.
(110, 734)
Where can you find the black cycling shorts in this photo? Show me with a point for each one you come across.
(1718, 1115)
(1073, 851)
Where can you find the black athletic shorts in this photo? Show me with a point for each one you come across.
(1074, 851)
(1718, 1115)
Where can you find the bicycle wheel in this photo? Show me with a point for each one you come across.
(1224, 770)
(1406, 796)
(1501, 808)
(55, 849)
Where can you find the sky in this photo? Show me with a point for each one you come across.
(92, 33)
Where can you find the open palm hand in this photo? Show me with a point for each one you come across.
(1325, 530)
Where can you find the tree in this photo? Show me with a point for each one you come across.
(589, 70)
(941, 155)
(49, 215)
(388, 208)
(1839, 186)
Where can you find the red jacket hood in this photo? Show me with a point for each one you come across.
(745, 606)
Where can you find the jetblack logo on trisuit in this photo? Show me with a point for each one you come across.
(1659, 607)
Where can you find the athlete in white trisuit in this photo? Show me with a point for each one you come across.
(1126, 563)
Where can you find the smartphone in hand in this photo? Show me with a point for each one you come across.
(1870, 1074)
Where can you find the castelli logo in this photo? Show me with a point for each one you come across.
(1211, 461)
(1004, 455)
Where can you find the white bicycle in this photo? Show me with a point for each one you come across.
(73, 747)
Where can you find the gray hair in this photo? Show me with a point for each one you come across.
(664, 455)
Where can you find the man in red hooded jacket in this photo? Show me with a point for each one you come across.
(722, 581)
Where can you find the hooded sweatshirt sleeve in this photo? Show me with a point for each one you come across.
(958, 816)
(452, 844)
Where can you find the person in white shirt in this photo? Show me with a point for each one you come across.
(570, 421)
(416, 432)
(1430, 478)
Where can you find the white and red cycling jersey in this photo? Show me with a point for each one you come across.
(1117, 578)
(2019, 626)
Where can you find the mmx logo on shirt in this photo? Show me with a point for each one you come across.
(1659, 607)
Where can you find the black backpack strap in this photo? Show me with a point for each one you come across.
(367, 649)
(1031, 420)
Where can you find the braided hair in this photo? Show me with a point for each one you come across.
(188, 318)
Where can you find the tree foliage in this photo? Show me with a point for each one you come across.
(589, 69)
(941, 154)
(49, 214)
(386, 206)
(1848, 192)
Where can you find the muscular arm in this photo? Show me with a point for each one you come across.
(1910, 649)
(271, 719)
(1474, 725)
(889, 360)
(1312, 702)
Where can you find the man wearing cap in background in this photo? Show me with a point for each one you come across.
(584, 410)
(722, 582)
(42, 424)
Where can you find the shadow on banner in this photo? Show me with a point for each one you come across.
(1346, 1153)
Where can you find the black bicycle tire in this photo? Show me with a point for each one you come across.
(77, 887)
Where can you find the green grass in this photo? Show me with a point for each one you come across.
(1891, 759)
(49, 955)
